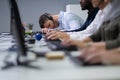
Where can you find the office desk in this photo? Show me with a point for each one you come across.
(58, 70)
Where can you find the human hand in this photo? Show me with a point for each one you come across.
(77, 43)
(92, 48)
(105, 57)
(55, 34)
(45, 30)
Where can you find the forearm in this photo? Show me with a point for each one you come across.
(84, 43)
(87, 40)
(64, 36)
(81, 35)
(116, 50)
(101, 45)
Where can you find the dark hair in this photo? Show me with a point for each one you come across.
(43, 18)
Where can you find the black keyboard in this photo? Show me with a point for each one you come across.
(56, 45)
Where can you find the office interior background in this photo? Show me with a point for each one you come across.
(30, 10)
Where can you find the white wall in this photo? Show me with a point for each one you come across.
(4, 16)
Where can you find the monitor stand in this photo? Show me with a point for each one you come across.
(13, 60)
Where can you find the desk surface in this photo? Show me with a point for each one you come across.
(58, 70)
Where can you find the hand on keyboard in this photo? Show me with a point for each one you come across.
(56, 45)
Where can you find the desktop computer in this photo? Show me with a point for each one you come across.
(21, 56)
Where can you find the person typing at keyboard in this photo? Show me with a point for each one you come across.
(105, 39)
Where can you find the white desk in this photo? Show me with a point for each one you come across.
(59, 70)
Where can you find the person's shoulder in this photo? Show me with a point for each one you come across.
(116, 18)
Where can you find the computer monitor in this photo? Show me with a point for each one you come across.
(18, 29)
(21, 58)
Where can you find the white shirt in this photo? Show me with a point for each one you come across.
(69, 21)
(101, 16)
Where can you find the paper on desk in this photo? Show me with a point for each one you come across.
(5, 42)
(5, 45)
(6, 38)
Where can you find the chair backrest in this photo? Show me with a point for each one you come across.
(76, 9)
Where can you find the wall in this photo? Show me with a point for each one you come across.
(30, 10)
(4, 16)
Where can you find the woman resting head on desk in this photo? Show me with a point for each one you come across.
(106, 38)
